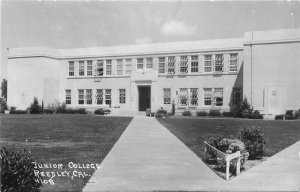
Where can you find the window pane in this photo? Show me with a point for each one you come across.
(194, 64)
(122, 96)
(218, 96)
(167, 96)
(161, 65)
(108, 96)
(236, 96)
(140, 63)
(81, 68)
(89, 71)
(171, 65)
(68, 96)
(80, 96)
(207, 63)
(99, 67)
(128, 69)
(219, 62)
(149, 63)
(71, 68)
(119, 67)
(89, 96)
(207, 96)
(233, 62)
(183, 96)
(183, 64)
(108, 67)
(99, 97)
(193, 96)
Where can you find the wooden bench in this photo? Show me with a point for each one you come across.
(227, 157)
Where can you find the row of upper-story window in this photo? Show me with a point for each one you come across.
(166, 65)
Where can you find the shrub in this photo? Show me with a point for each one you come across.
(3, 105)
(12, 110)
(242, 110)
(289, 115)
(35, 108)
(214, 113)
(254, 140)
(17, 171)
(256, 115)
(186, 113)
(297, 114)
(76, 111)
(61, 108)
(101, 111)
(20, 112)
(201, 113)
(279, 117)
(227, 114)
(161, 113)
(48, 111)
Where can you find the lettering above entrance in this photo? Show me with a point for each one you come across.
(143, 82)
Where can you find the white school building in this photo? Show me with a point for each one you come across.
(263, 66)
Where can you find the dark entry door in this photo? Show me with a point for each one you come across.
(144, 97)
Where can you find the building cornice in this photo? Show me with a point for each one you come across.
(271, 42)
(145, 54)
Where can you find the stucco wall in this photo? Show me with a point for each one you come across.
(33, 77)
(273, 66)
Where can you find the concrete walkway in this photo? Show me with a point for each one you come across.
(147, 157)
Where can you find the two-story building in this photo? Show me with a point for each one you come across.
(195, 75)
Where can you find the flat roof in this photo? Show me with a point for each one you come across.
(127, 50)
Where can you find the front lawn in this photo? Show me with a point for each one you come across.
(193, 131)
(54, 139)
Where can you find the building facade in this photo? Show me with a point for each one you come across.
(196, 76)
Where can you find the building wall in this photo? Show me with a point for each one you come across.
(150, 77)
(34, 77)
(272, 71)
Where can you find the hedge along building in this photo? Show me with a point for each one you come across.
(196, 75)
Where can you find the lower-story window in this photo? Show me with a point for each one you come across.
(236, 96)
(80, 96)
(207, 96)
(122, 95)
(108, 96)
(88, 96)
(213, 96)
(218, 97)
(167, 96)
(68, 96)
(99, 96)
(193, 96)
(183, 96)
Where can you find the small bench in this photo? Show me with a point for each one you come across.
(227, 157)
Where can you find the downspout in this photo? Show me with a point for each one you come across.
(251, 88)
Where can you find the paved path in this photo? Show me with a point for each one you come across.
(148, 157)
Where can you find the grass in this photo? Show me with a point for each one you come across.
(63, 139)
(193, 131)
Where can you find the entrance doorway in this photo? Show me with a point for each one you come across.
(144, 97)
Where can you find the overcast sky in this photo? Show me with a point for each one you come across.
(67, 24)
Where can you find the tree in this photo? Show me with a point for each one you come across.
(35, 107)
(4, 88)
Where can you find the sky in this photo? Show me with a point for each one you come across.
(73, 24)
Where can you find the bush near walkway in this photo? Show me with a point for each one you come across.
(254, 140)
(17, 171)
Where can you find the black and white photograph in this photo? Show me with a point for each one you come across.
(165, 96)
